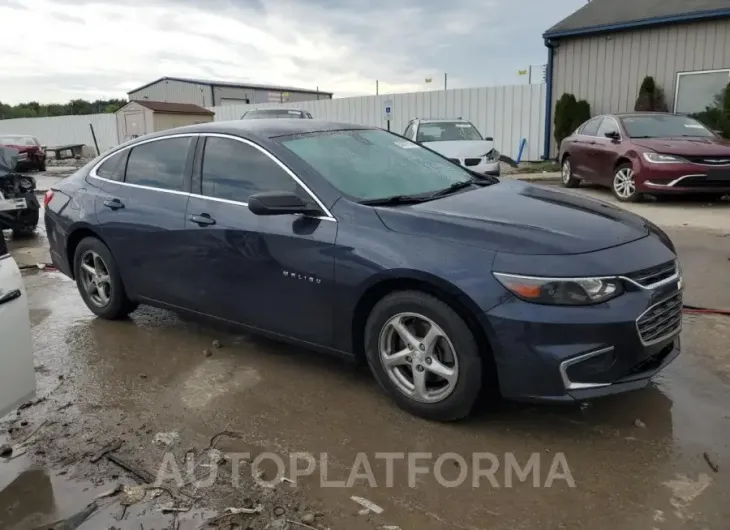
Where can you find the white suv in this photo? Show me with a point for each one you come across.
(17, 376)
(457, 140)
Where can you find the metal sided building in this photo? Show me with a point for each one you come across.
(603, 51)
(216, 93)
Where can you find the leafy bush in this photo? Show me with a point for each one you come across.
(651, 97)
(569, 114)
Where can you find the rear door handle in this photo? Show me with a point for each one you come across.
(114, 204)
(202, 219)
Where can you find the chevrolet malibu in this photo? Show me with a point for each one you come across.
(452, 285)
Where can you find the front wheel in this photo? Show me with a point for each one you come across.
(624, 185)
(99, 281)
(424, 355)
(567, 178)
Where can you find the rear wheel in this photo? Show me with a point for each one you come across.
(99, 281)
(569, 181)
(424, 355)
(624, 185)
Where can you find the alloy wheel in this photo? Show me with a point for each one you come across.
(566, 171)
(623, 183)
(95, 278)
(418, 357)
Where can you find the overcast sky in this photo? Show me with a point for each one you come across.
(56, 50)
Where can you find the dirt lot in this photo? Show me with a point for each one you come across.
(655, 459)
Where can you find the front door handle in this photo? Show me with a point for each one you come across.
(202, 219)
(114, 204)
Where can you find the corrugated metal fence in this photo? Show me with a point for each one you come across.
(507, 113)
(65, 130)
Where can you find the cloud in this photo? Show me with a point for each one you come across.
(341, 46)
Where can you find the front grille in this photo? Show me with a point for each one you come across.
(652, 275)
(472, 161)
(710, 160)
(455, 160)
(660, 320)
(704, 182)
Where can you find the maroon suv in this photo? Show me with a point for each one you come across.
(31, 154)
(654, 153)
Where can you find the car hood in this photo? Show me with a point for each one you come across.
(519, 218)
(19, 148)
(686, 146)
(461, 148)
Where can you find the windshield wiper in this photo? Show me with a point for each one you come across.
(456, 186)
(395, 200)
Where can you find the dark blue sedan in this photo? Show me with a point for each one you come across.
(451, 285)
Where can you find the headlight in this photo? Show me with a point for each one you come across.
(492, 156)
(561, 291)
(658, 158)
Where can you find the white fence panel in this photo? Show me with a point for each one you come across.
(507, 113)
(64, 130)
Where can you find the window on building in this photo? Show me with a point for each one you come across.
(698, 90)
(233, 170)
(159, 164)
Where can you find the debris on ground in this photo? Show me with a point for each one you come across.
(640, 424)
(132, 495)
(207, 353)
(308, 518)
(710, 463)
(368, 506)
(216, 344)
(109, 448)
(110, 493)
(173, 508)
(279, 511)
(32, 403)
(6, 450)
(248, 511)
(166, 438)
(279, 524)
(73, 522)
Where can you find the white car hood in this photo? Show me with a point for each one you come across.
(461, 148)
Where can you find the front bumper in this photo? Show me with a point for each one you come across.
(567, 354)
(682, 178)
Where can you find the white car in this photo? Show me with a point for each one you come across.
(458, 140)
(17, 376)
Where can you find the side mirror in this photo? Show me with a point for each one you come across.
(613, 135)
(280, 203)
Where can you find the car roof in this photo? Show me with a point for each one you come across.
(644, 113)
(432, 120)
(262, 129)
(276, 109)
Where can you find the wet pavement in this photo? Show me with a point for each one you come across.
(637, 461)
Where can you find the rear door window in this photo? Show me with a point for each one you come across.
(159, 164)
(608, 125)
(233, 170)
(113, 167)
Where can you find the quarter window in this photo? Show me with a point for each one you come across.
(234, 170)
(159, 164)
(591, 127)
(113, 167)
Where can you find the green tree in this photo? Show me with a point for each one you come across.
(34, 109)
(569, 115)
(651, 97)
(717, 115)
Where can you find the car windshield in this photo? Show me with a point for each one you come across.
(663, 126)
(269, 114)
(444, 131)
(373, 164)
(16, 140)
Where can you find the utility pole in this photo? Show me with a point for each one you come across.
(445, 80)
(377, 88)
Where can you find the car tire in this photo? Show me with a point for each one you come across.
(623, 184)
(456, 350)
(566, 174)
(93, 251)
(24, 232)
